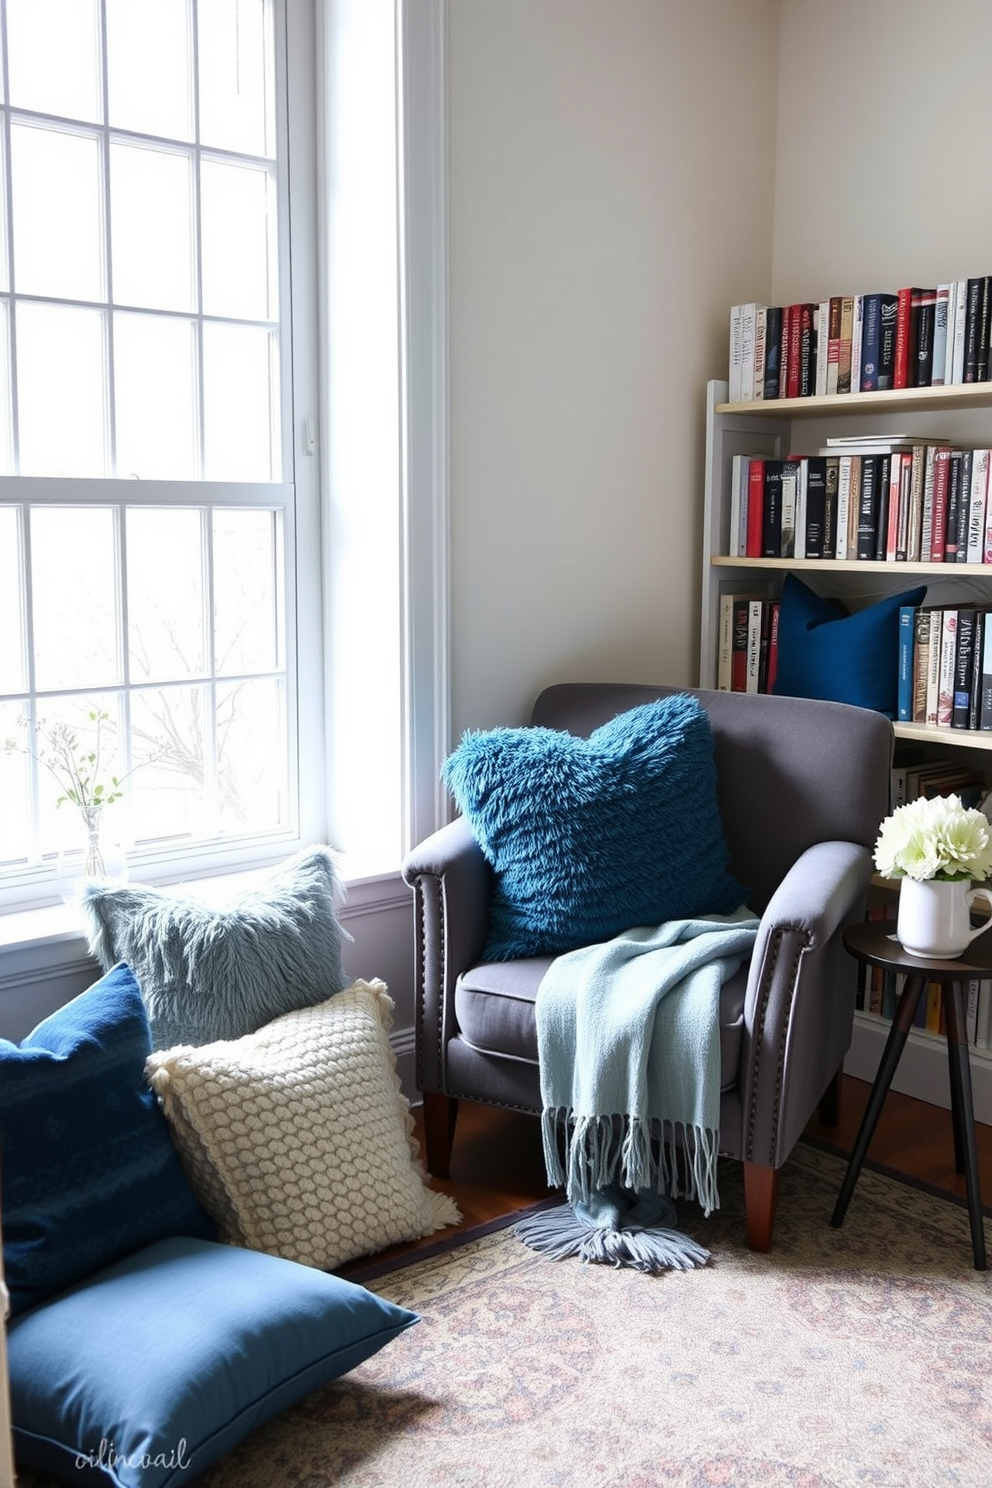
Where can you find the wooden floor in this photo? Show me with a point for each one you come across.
(497, 1165)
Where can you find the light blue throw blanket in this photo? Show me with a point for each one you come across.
(629, 1046)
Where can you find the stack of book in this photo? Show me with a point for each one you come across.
(945, 666)
(911, 337)
(748, 645)
(895, 498)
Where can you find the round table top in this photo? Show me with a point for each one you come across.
(875, 941)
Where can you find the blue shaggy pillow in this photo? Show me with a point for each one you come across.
(590, 837)
(219, 973)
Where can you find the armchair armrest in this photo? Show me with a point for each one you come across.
(452, 882)
(799, 1005)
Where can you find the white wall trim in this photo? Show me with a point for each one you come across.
(423, 213)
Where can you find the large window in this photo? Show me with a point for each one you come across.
(147, 504)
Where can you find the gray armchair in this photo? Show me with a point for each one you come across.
(803, 787)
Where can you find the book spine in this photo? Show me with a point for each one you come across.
(960, 323)
(965, 517)
(724, 672)
(734, 371)
(892, 532)
(871, 336)
(747, 352)
(771, 532)
(755, 508)
(783, 351)
(868, 508)
(926, 515)
(755, 607)
(985, 709)
(952, 311)
(887, 341)
(802, 496)
(807, 351)
(843, 504)
(760, 344)
(833, 343)
(774, 607)
(905, 502)
(940, 335)
(830, 477)
(941, 493)
(882, 507)
(846, 334)
(787, 542)
(973, 310)
(857, 338)
(773, 351)
(948, 659)
(954, 525)
(975, 690)
(915, 530)
(738, 658)
(906, 688)
(984, 308)
(816, 505)
(933, 671)
(979, 502)
(900, 365)
(738, 507)
(921, 663)
(963, 659)
(926, 309)
(795, 351)
(822, 342)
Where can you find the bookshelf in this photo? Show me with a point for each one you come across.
(961, 413)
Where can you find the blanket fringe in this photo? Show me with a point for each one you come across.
(679, 1160)
(561, 1234)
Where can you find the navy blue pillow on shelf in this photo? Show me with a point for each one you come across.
(823, 652)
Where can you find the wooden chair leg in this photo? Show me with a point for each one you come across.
(760, 1198)
(829, 1108)
(440, 1115)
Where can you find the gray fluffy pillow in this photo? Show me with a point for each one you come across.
(208, 973)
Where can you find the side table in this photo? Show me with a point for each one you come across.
(874, 943)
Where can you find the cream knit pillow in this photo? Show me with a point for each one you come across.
(297, 1138)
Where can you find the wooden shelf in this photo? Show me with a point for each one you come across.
(866, 565)
(905, 400)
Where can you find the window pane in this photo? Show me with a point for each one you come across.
(12, 671)
(165, 593)
(251, 756)
(58, 213)
(151, 205)
(6, 447)
(78, 744)
(74, 597)
(237, 208)
(13, 784)
(239, 402)
(155, 397)
(246, 632)
(149, 67)
(53, 48)
(62, 401)
(235, 88)
(168, 791)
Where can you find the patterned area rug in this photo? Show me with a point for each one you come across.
(844, 1358)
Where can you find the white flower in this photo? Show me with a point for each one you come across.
(937, 838)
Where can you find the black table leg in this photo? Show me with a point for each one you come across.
(894, 1045)
(960, 1073)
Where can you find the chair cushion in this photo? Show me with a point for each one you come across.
(825, 653)
(211, 973)
(590, 837)
(494, 1008)
(87, 1166)
(151, 1369)
(298, 1138)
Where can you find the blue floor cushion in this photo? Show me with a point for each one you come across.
(148, 1371)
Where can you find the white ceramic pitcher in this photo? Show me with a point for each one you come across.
(934, 918)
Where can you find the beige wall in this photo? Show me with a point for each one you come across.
(884, 144)
(610, 192)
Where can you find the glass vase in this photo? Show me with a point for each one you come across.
(94, 857)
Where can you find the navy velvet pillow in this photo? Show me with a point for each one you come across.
(88, 1169)
(590, 837)
(823, 652)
